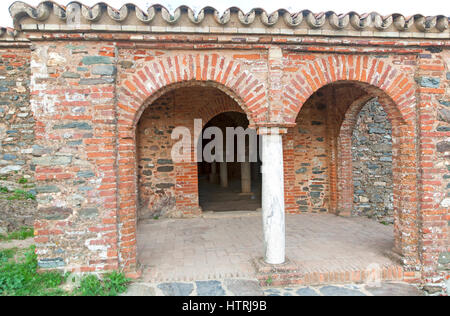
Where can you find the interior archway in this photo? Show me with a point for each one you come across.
(230, 184)
(169, 188)
(319, 149)
(168, 248)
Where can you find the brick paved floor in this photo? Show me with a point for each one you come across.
(223, 245)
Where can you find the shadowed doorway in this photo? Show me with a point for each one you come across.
(230, 185)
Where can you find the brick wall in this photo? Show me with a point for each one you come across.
(311, 159)
(73, 102)
(87, 98)
(432, 77)
(444, 118)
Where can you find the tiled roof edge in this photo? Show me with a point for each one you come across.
(130, 15)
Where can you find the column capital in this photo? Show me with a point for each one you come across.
(272, 128)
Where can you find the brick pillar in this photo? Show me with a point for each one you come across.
(289, 173)
(332, 144)
(187, 189)
(343, 165)
(434, 123)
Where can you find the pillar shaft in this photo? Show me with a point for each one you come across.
(213, 177)
(246, 177)
(224, 175)
(273, 198)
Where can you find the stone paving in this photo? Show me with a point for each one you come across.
(243, 287)
(223, 245)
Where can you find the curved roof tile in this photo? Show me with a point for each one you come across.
(50, 16)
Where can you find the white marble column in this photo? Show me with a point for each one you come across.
(213, 177)
(246, 178)
(224, 175)
(273, 196)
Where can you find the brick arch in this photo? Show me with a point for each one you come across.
(222, 106)
(405, 165)
(345, 186)
(153, 79)
(405, 161)
(227, 102)
(145, 85)
(360, 69)
(395, 88)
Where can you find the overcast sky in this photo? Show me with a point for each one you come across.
(406, 7)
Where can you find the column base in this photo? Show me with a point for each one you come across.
(262, 267)
(134, 275)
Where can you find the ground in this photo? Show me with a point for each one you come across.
(17, 204)
(246, 287)
(20, 244)
(212, 255)
(224, 245)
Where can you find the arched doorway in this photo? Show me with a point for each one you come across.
(169, 188)
(139, 89)
(231, 184)
(320, 151)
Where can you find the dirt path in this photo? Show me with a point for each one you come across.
(21, 244)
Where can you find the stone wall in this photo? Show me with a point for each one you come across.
(372, 164)
(16, 119)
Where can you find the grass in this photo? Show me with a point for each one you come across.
(18, 277)
(269, 281)
(16, 195)
(112, 284)
(22, 181)
(21, 195)
(22, 234)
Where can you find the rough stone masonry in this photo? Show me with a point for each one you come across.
(78, 83)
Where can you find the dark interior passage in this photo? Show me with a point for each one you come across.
(230, 185)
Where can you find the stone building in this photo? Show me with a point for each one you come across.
(89, 98)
